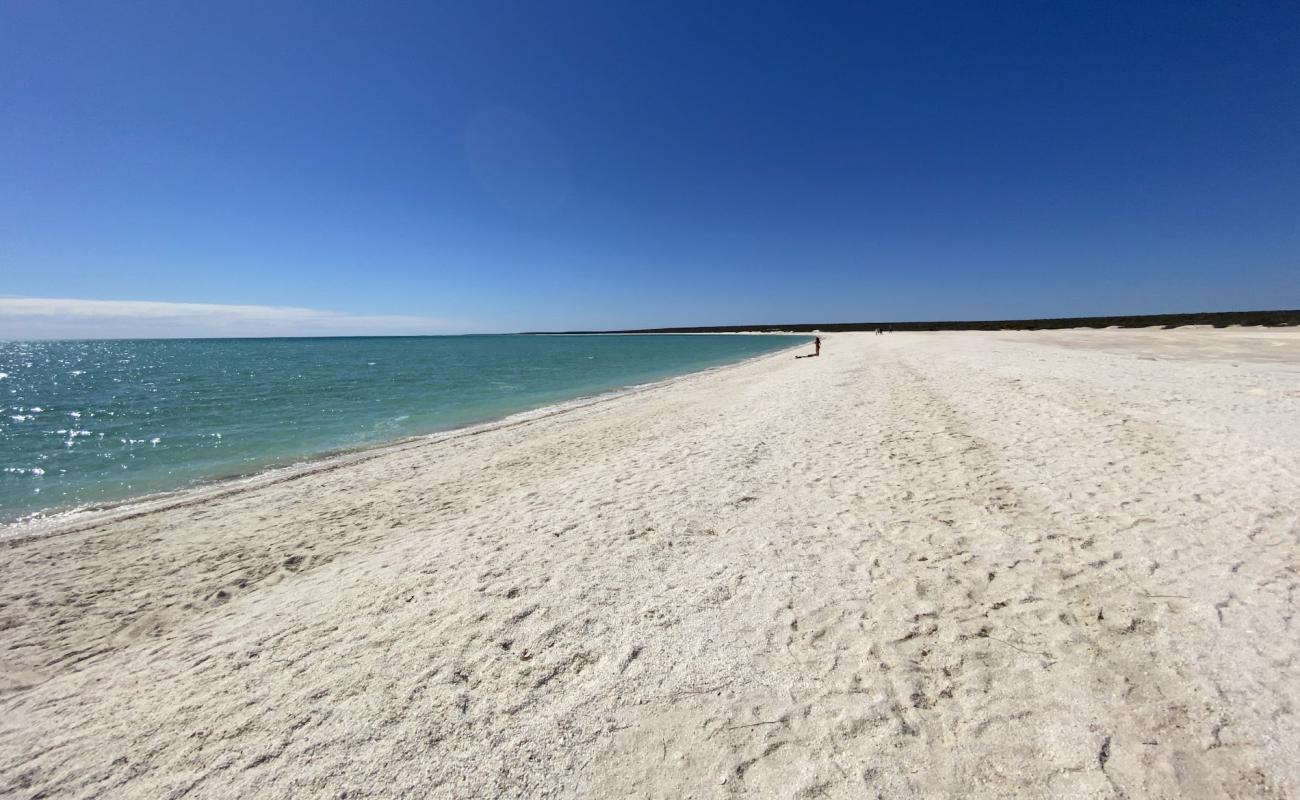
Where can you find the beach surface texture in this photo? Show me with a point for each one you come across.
(924, 564)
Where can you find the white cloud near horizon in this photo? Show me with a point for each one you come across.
(69, 318)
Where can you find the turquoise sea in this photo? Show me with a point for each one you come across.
(90, 422)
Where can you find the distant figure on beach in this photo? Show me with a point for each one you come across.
(879, 331)
(817, 348)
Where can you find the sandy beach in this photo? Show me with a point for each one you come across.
(1028, 564)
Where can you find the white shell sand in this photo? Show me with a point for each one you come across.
(980, 564)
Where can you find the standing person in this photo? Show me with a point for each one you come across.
(817, 346)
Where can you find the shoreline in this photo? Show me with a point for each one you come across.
(1056, 564)
(1218, 319)
(43, 524)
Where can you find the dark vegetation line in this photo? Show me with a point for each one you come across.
(1219, 319)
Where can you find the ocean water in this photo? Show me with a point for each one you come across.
(89, 422)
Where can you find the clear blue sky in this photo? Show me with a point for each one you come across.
(505, 166)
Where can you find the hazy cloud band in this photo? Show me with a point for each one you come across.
(68, 318)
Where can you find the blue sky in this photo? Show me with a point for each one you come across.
(487, 166)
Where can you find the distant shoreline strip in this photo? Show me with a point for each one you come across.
(1219, 319)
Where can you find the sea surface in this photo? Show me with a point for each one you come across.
(90, 422)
